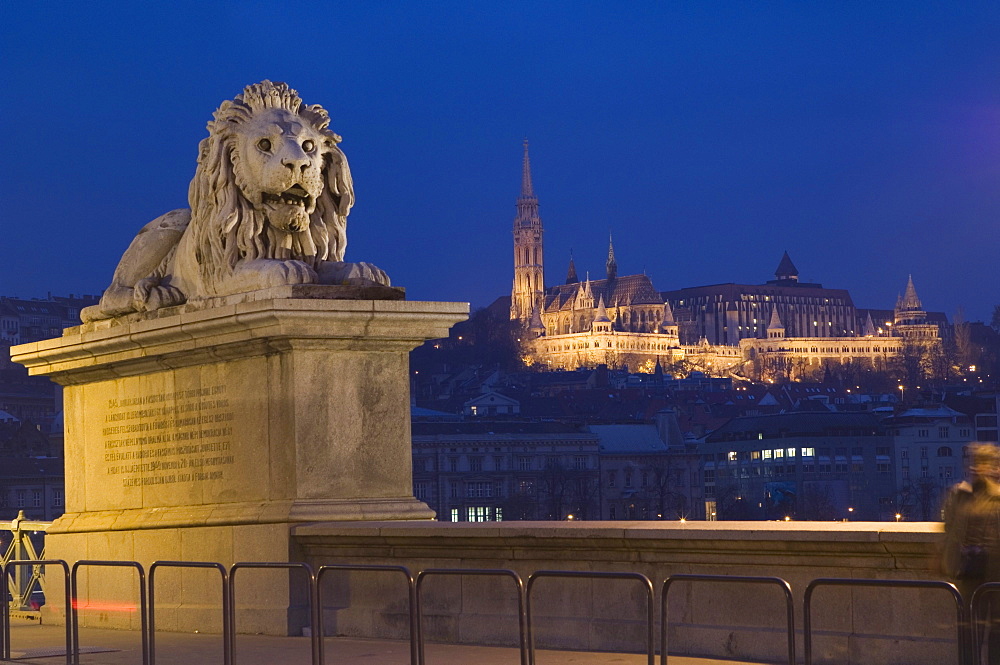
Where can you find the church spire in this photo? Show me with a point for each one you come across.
(571, 277)
(612, 265)
(527, 191)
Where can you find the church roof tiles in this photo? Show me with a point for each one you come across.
(627, 290)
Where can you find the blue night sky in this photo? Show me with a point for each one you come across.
(862, 137)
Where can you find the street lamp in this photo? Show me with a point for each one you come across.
(901, 389)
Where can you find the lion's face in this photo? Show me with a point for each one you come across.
(278, 161)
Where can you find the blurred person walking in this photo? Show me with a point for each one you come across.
(971, 554)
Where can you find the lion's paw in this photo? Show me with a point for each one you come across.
(149, 295)
(267, 273)
(363, 274)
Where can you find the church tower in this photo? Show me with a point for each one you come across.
(529, 280)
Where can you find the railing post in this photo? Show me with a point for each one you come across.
(17, 597)
(4, 618)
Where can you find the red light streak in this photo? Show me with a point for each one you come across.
(104, 607)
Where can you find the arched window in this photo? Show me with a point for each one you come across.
(944, 451)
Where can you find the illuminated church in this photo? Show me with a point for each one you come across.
(719, 329)
(618, 320)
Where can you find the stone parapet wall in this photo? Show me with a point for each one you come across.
(731, 621)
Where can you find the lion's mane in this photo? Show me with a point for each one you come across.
(228, 227)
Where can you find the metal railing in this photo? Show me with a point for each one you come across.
(21, 548)
(965, 637)
(74, 609)
(961, 609)
(979, 615)
(5, 570)
(522, 617)
(639, 577)
(411, 588)
(314, 639)
(727, 579)
(227, 647)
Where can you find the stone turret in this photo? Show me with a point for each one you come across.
(602, 324)
(870, 330)
(775, 328)
(669, 325)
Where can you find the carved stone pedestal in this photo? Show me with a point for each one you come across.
(205, 433)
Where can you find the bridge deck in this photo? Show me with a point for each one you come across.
(33, 644)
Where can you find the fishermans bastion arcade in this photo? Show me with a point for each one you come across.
(238, 377)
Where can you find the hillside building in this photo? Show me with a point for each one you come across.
(784, 327)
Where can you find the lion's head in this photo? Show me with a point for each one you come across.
(271, 183)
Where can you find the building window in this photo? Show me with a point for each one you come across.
(478, 490)
(454, 514)
(453, 490)
(612, 512)
(20, 498)
(498, 463)
(453, 464)
(524, 464)
(923, 432)
(965, 433)
(498, 488)
(943, 432)
(475, 463)
(36, 498)
(420, 490)
(645, 479)
(478, 514)
(944, 451)
(526, 487)
(923, 452)
(628, 479)
(579, 462)
(612, 478)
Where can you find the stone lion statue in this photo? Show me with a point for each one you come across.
(268, 207)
